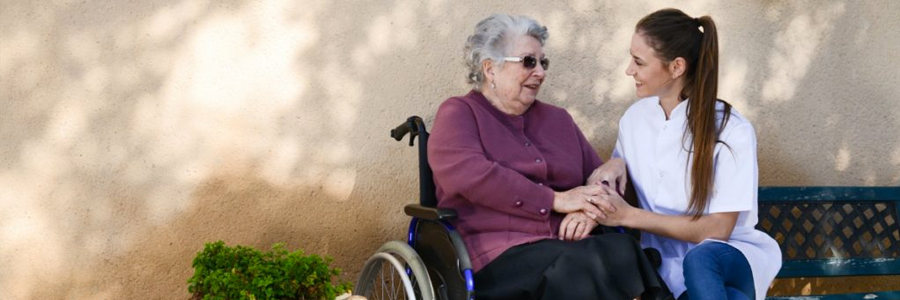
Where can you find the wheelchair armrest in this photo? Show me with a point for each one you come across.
(429, 213)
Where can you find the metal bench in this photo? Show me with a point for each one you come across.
(834, 231)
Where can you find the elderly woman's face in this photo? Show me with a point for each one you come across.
(515, 85)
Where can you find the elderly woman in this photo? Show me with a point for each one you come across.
(515, 168)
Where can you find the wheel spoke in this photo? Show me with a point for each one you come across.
(393, 287)
(383, 283)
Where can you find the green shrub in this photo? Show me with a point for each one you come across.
(227, 273)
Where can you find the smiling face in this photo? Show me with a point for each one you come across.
(515, 86)
(652, 76)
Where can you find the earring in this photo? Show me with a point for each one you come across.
(493, 86)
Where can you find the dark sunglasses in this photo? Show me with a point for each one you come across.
(529, 62)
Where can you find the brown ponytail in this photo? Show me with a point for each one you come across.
(672, 34)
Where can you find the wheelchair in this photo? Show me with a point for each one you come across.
(433, 263)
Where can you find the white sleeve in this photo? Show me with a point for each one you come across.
(736, 171)
(618, 152)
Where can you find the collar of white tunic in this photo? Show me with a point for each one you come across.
(679, 113)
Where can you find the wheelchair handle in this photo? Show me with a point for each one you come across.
(399, 132)
(409, 126)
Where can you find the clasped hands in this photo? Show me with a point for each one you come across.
(595, 203)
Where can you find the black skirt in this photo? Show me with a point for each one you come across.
(606, 266)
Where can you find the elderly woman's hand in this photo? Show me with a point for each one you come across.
(576, 226)
(582, 198)
(612, 172)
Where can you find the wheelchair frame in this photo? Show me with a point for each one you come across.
(434, 262)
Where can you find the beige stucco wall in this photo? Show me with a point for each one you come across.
(135, 131)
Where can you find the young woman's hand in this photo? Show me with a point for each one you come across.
(620, 210)
(576, 226)
(613, 172)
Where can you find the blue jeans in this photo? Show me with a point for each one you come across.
(717, 271)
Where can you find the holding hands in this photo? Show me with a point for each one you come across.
(598, 202)
(582, 199)
(587, 207)
(620, 209)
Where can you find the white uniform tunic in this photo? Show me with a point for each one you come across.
(657, 158)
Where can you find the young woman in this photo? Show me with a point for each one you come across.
(692, 160)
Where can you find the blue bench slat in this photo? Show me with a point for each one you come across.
(829, 193)
(888, 295)
(839, 267)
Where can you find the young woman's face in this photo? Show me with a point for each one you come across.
(651, 74)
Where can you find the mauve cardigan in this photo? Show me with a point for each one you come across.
(499, 171)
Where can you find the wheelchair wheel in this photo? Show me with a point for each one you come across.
(433, 244)
(395, 271)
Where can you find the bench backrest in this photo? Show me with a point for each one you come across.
(833, 231)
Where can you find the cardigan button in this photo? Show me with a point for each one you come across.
(538, 160)
(543, 211)
(518, 203)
